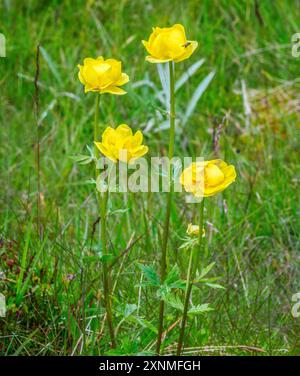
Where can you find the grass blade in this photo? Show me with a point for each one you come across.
(197, 95)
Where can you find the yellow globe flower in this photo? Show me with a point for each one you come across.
(207, 178)
(169, 44)
(121, 144)
(103, 76)
(193, 230)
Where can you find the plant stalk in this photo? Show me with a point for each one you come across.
(38, 141)
(192, 268)
(163, 264)
(96, 125)
(103, 214)
(106, 284)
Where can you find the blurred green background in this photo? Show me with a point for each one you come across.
(53, 288)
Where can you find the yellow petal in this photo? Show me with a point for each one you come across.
(88, 88)
(188, 51)
(114, 90)
(137, 138)
(105, 151)
(229, 172)
(90, 76)
(116, 69)
(180, 28)
(89, 60)
(142, 150)
(123, 80)
(194, 230)
(154, 60)
(109, 136)
(218, 162)
(147, 45)
(213, 175)
(124, 130)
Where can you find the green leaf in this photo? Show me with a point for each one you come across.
(205, 271)
(199, 309)
(152, 278)
(189, 243)
(144, 323)
(106, 258)
(90, 259)
(82, 159)
(129, 309)
(119, 211)
(174, 301)
(51, 64)
(215, 285)
(173, 280)
(172, 276)
(163, 291)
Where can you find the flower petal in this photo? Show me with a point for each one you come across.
(114, 90)
(89, 60)
(123, 80)
(137, 139)
(147, 45)
(105, 151)
(154, 60)
(188, 51)
(142, 150)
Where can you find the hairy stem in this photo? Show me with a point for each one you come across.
(163, 264)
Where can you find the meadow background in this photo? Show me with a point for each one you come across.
(53, 287)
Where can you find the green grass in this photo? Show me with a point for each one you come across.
(256, 247)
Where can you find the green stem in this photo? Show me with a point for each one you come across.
(106, 284)
(38, 141)
(103, 214)
(193, 264)
(168, 211)
(96, 125)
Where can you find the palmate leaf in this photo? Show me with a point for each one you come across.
(129, 309)
(152, 278)
(143, 322)
(189, 243)
(172, 281)
(172, 276)
(174, 301)
(205, 271)
(199, 309)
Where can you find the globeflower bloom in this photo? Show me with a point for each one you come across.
(169, 44)
(207, 178)
(121, 144)
(193, 230)
(103, 76)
